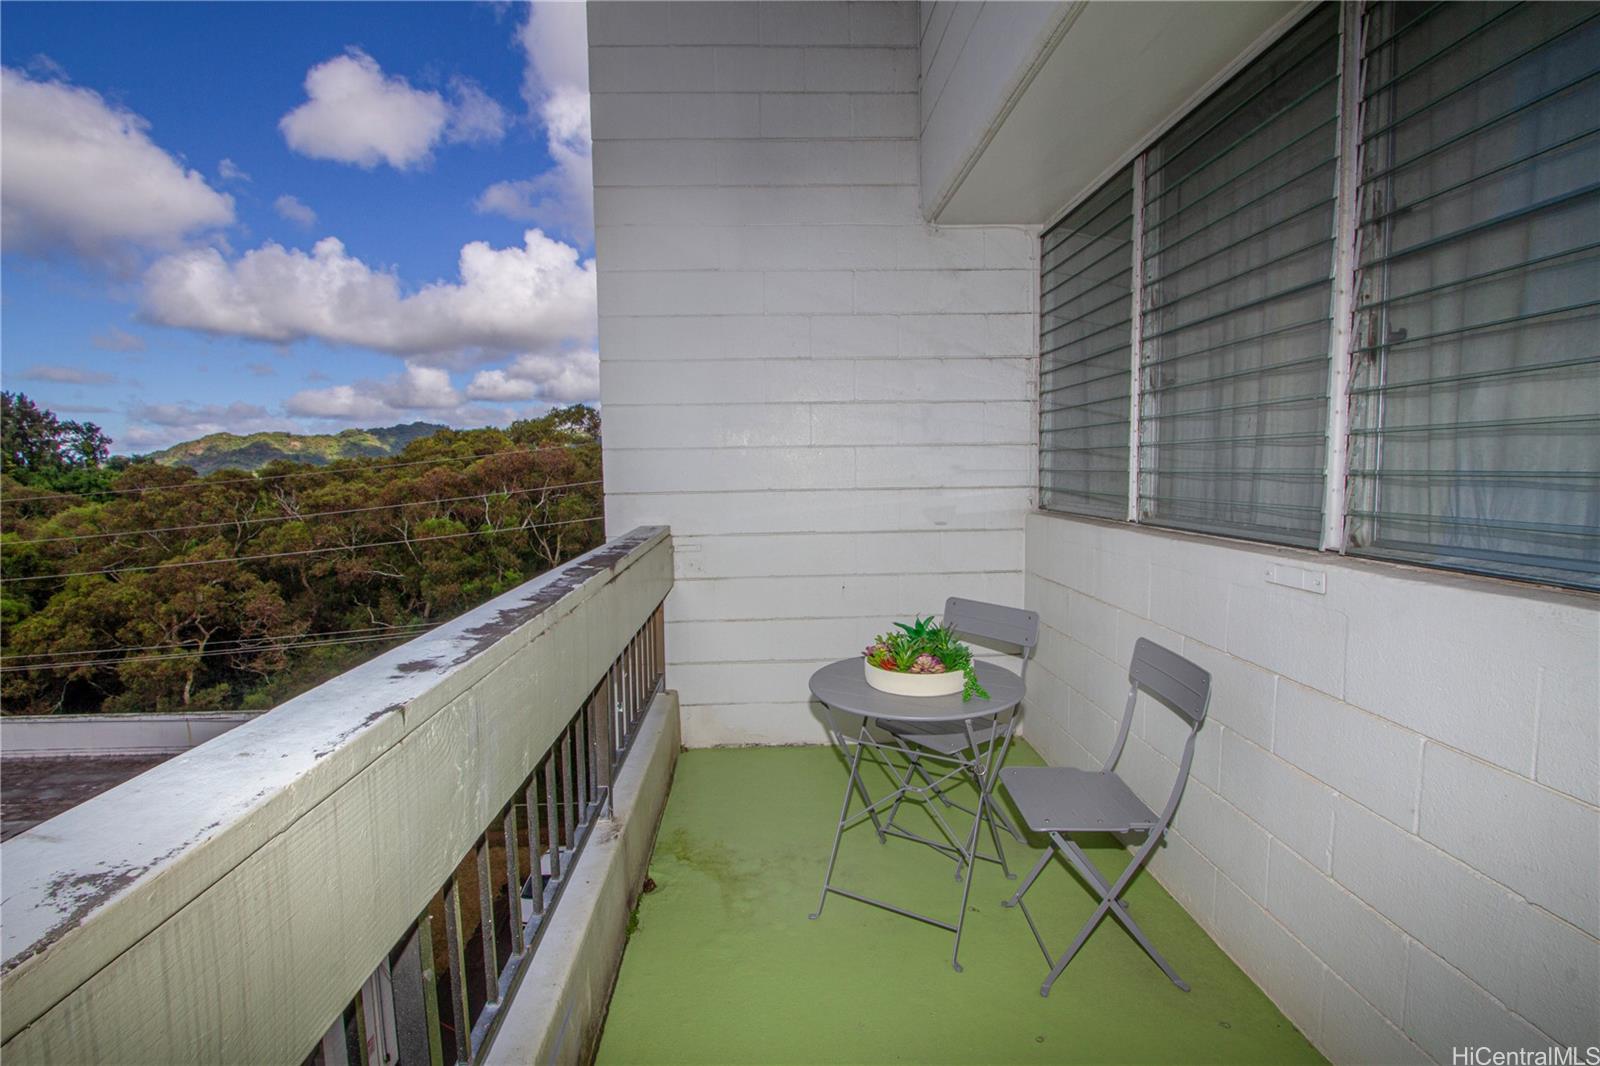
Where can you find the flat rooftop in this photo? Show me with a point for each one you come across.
(38, 788)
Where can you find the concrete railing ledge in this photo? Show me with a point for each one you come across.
(82, 888)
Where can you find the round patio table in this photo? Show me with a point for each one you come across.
(842, 689)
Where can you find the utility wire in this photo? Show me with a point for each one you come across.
(201, 483)
(82, 652)
(299, 552)
(207, 652)
(307, 515)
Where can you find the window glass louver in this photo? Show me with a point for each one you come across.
(1239, 205)
(1085, 323)
(1475, 373)
(1352, 298)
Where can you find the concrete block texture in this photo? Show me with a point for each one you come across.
(829, 398)
(1401, 843)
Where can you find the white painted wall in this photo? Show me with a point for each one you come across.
(1391, 822)
(1094, 78)
(829, 401)
(975, 56)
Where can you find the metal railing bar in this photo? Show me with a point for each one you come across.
(486, 931)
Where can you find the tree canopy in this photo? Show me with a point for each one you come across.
(158, 589)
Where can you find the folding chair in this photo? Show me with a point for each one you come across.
(1058, 801)
(1005, 629)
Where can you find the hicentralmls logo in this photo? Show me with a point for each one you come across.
(1550, 1056)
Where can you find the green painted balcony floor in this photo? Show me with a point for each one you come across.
(724, 967)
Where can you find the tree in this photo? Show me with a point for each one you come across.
(242, 589)
(37, 448)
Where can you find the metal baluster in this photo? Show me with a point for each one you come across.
(661, 642)
(634, 688)
(601, 745)
(416, 998)
(656, 661)
(567, 781)
(619, 720)
(551, 825)
(581, 754)
(458, 971)
(513, 879)
(535, 867)
(491, 961)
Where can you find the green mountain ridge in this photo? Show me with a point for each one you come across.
(230, 451)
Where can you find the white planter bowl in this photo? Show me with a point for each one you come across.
(893, 681)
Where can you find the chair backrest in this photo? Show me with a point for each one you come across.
(1179, 684)
(1172, 679)
(1008, 629)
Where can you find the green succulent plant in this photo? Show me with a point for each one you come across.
(924, 647)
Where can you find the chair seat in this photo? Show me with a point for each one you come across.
(940, 738)
(1058, 799)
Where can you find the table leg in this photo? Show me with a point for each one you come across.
(972, 845)
(844, 812)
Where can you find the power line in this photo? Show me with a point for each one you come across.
(202, 654)
(82, 652)
(309, 515)
(201, 483)
(298, 552)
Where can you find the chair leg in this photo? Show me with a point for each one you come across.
(1110, 903)
(988, 805)
(922, 773)
(1027, 883)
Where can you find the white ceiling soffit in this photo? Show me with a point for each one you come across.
(1120, 71)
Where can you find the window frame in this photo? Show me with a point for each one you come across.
(1334, 535)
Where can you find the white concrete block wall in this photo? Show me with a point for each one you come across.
(829, 401)
(1391, 822)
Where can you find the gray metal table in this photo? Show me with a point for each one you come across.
(842, 688)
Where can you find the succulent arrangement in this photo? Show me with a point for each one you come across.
(925, 648)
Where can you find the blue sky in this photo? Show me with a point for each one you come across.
(302, 216)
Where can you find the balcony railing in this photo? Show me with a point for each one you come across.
(400, 835)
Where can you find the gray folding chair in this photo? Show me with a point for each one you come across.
(1012, 631)
(1059, 801)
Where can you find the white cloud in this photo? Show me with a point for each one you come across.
(513, 299)
(418, 391)
(555, 86)
(66, 375)
(81, 174)
(290, 207)
(476, 117)
(159, 425)
(571, 377)
(354, 113)
(228, 170)
(118, 340)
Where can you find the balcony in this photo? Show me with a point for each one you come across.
(724, 967)
(329, 883)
